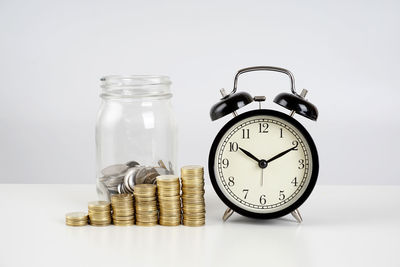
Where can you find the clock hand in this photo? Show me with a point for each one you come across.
(262, 177)
(249, 154)
(281, 154)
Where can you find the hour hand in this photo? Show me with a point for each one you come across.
(249, 154)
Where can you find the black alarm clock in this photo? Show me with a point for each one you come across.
(263, 163)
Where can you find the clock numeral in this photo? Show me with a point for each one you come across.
(301, 163)
(231, 181)
(263, 127)
(245, 133)
(245, 191)
(281, 131)
(263, 200)
(295, 143)
(281, 195)
(233, 146)
(294, 181)
(225, 163)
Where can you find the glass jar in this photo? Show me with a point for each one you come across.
(136, 135)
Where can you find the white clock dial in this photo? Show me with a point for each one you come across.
(263, 164)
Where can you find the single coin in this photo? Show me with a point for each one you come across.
(168, 178)
(169, 198)
(188, 168)
(76, 215)
(150, 177)
(99, 204)
(193, 224)
(129, 178)
(124, 223)
(146, 223)
(145, 187)
(132, 163)
(76, 224)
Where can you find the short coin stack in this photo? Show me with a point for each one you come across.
(146, 204)
(193, 195)
(99, 213)
(123, 212)
(168, 190)
(76, 219)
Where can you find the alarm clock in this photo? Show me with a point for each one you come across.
(263, 163)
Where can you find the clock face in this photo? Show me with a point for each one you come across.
(264, 164)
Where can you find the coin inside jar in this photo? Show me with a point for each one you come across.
(129, 178)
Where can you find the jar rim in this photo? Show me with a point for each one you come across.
(135, 86)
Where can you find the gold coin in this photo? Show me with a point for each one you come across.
(168, 186)
(198, 202)
(193, 224)
(194, 216)
(124, 223)
(192, 194)
(169, 178)
(147, 213)
(193, 203)
(169, 198)
(146, 223)
(170, 214)
(169, 193)
(147, 220)
(76, 215)
(100, 223)
(99, 204)
(76, 224)
(68, 221)
(192, 168)
(146, 199)
(121, 197)
(146, 209)
(170, 224)
(144, 188)
(171, 218)
(170, 208)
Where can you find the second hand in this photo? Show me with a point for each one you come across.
(262, 177)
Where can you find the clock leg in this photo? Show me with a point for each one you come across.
(296, 214)
(228, 213)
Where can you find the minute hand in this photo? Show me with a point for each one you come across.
(281, 154)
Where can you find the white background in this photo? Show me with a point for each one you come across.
(52, 54)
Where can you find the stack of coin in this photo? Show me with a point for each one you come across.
(146, 204)
(168, 190)
(76, 219)
(123, 212)
(193, 195)
(99, 213)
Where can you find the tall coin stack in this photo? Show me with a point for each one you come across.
(99, 213)
(168, 190)
(76, 219)
(194, 210)
(146, 204)
(123, 211)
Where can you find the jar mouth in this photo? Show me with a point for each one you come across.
(135, 86)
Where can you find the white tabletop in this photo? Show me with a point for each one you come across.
(343, 226)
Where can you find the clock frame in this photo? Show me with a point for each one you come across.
(314, 166)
